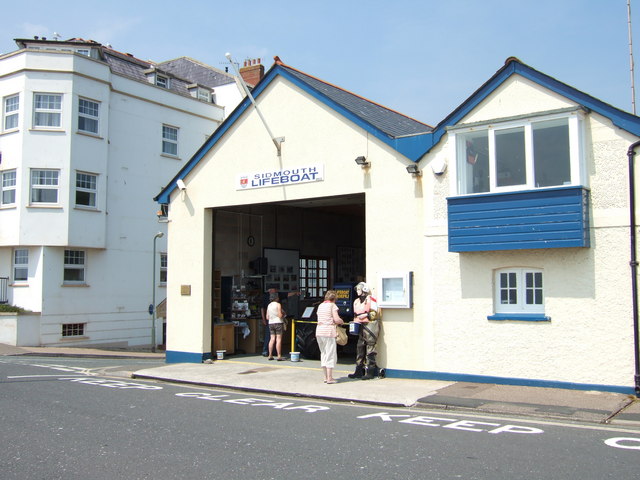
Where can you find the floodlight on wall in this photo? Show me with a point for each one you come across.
(362, 161)
(414, 170)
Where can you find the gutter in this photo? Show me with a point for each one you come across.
(634, 264)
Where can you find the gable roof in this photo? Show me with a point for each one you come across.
(512, 66)
(399, 131)
(409, 137)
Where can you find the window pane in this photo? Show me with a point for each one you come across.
(39, 195)
(87, 124)
(8, 188)
(20, 274)
(11, 107)
(86, 199)
(510, 157)
(20, 262)
(88, 116)
(73, 257)
(474, 163)
(552, 163)
(47, 110)
(169, 148)
(48, 102)
(73, 275)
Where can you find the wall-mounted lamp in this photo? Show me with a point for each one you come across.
(362, 161)
(414, 170)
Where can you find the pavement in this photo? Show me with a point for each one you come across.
(254, 373)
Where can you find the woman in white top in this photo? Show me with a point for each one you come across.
(276, 325)
(326, 334)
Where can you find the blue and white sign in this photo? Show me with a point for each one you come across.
(278, 178)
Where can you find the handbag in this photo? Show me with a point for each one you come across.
(284, 323)
(341, 337)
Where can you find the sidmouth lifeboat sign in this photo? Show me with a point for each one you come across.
(277, 178)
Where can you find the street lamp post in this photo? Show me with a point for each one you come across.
(152, 307)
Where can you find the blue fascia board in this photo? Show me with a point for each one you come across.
(619, 118)
(412, 147)
(173, 356)
(524, 382)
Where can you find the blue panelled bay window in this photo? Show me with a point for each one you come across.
(520, 184)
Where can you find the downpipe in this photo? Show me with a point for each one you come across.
(634, 263)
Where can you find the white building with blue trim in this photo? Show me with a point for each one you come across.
(497, 242)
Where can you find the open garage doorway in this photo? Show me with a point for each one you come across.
(302, 248)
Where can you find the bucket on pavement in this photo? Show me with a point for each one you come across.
(220, 354)
(295, 356)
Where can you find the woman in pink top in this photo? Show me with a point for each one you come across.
(326, 333)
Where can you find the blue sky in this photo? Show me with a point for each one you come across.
(422, 58)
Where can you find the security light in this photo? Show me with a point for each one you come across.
(414, 170)
(362, 161)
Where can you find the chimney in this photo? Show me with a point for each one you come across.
(252, 71)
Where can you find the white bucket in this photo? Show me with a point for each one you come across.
(295, 356)
(354, 328)
(220, 354)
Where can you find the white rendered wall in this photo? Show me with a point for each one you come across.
(314, 134)
(118, 235)
(587, 290)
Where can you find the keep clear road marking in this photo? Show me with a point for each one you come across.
(453, 423)
(625, 443)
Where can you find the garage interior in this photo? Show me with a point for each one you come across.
(302, 248)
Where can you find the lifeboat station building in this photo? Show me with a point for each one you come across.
(496, 242)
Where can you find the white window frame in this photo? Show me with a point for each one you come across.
(395, 290)
(50, 182)
(52, 110)
(162, 81)
(169, 143)
(522, 291)
(163, 268)
(74, 261)
(11, 112)
(204, 94)
(89, 115)
(20, 264)
(313, 276)
(87, 183)
(577, 161)
(8, 181)
(73, 330)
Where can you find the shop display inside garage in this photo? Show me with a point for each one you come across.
(301, 249)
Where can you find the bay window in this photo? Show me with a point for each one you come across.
(539, 152)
